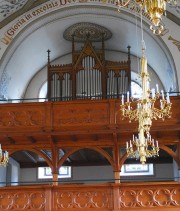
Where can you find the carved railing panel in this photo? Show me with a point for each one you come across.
(150, 196)
(106, 197)
(21, 116)
(83, 199)
(81, 114)
(22, 200)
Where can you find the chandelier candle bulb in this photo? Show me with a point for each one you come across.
(148, 85)
(127, 96)
(157, 88)
(157, 144)
(167, 98)
(130, 143)
(162, 93)
(133, 137)
(122, 100)
(153, 93)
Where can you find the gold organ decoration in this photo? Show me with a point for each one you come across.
(154, 8)
(144, 112)
(4, 157)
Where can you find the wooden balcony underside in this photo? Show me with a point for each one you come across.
(76, 125)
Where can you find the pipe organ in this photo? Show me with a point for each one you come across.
(89, 76)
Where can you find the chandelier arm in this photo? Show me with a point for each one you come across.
(131, 114)
(154, 9)
(120, 3)
(161, 114)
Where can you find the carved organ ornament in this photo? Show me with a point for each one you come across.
(89, 76)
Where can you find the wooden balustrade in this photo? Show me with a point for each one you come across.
(104, 197)
(78, 116)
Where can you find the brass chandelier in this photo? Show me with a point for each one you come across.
(144, 112)
(153, 8)
(4, 157)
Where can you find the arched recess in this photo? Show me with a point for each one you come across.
(171, 153)
(97, 149)
(163, 147)
(122, 160)
(39, 152)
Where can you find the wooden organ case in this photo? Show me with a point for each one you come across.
(89, 76)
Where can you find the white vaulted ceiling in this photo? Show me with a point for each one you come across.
(23, 63)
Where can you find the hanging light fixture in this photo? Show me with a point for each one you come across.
(144, 112)
(153, 8)
(4, 157)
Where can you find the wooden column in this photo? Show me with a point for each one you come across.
(117, 176)
(116, 155)
(55, 179)
(178, 155)
(55, 158)
(116, 198)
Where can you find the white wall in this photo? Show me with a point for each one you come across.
(176, 171)
(101, 174)
(2, 176)
(10, 175)
(14, 173)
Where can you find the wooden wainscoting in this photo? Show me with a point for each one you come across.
(107, 197)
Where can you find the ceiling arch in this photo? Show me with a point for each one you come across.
(26, 55)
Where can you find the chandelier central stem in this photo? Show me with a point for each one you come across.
(144, 113)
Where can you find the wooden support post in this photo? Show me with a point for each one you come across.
(178, 155)
(117, 176)
(55, 158)
(116, 198)
(55, 179)
(49, 199)
(116, 155)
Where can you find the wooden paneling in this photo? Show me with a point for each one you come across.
(106, 197)
(15, 117)
(75, 115)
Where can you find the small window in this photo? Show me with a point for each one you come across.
(136, 89)
(46, 173)
(137, 169)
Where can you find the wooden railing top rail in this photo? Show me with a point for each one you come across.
(104, 197)
(132, 185)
